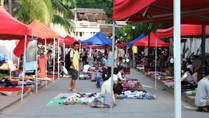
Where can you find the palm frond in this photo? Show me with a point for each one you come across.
(35, 9)
(67, 24)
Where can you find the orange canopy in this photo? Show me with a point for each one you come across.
(49, 33)
(11, 28)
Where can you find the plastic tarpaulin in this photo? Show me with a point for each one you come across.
(144, 41)
(11, 28)
(98, 39)
(138, 38)
(161, 11)
(69, 40)
(49, 33)
(124, 8)
(186, 30)
(19, 49)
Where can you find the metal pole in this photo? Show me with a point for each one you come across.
(58, 59)
(10, 72)
(148, 64)
(37, 70)
(155, 64)
(64, 52)
(177, 58)
(112, 68)
(46, 60)
(23, 74)
(126, 56)
(54, 61)
(203, 53)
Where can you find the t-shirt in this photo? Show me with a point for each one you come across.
(105, 60)
(202, 92)
(121, 53)
(74, 54)
(86, 68)
(109, 62)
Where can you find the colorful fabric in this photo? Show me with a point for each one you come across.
(102, 101)
(19, 49)
(42, 66)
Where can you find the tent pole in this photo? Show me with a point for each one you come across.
(58, 59)
(18, 63)
(202, 73)
(46, 60)
(64, 52)
(23, 74)
(155, 63)
(54, 61)
(126, 56)
(37, 70)
(10, 72)
(112, 68)
(177, 58)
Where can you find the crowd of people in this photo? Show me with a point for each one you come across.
(103, 58)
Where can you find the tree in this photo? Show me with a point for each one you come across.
(47, 11)
(144, 28)
(106, 5)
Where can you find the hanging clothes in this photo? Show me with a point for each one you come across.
(42, 66)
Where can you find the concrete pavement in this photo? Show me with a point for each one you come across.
(34, 106)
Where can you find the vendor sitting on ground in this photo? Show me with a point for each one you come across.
(86, 68)
(121, 74)
(186, 76)
(202, 94)
(117, 86)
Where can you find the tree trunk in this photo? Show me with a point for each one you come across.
(1, 3)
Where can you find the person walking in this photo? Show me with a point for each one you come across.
(75, 66)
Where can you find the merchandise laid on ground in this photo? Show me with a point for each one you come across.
(132, 89)
(169, 82)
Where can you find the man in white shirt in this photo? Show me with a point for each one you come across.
(202, 94)
(86, 67)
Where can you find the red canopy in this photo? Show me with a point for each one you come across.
(11, 28)
(70, 40)
(186, 30)
(161, 11)
(61, 40)
(144, 41)
(124, 8)
(49, 33)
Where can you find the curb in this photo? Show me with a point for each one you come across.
(184, 97)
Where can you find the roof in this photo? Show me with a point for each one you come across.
(88, 10)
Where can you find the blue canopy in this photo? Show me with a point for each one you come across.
(98, 39)
(137, 39)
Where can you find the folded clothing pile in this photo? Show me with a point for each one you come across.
(137, 95)
(131, 84)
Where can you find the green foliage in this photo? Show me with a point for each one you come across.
(145, 28)
(106, 5)
(47, 11)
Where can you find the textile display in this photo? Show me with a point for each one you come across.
(42, 66)
(31, 51)
(102, 101)
(19, 49)
(73, 98)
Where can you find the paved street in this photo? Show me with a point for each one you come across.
(34, 106)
